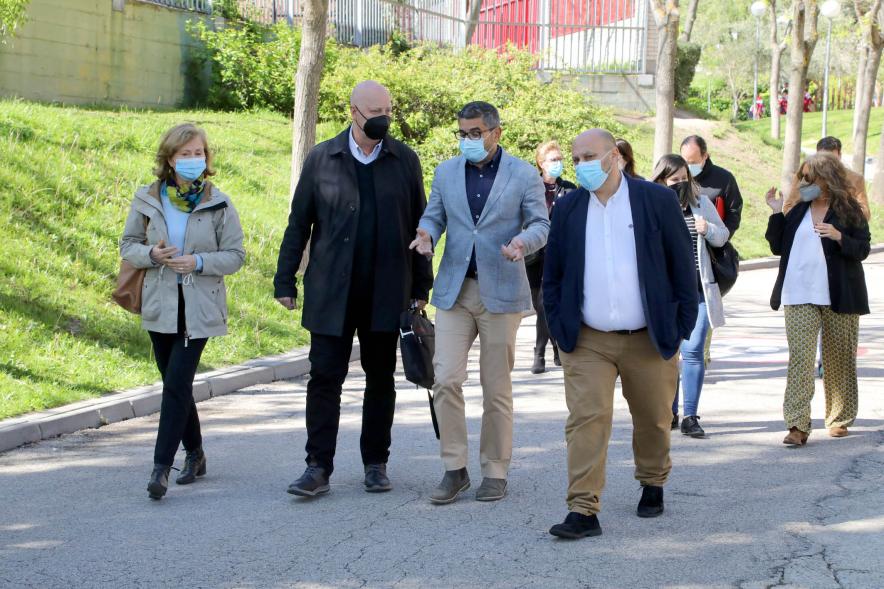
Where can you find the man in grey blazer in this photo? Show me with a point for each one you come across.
(492, 206)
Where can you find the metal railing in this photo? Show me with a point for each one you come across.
(203, 6)
(591, 36)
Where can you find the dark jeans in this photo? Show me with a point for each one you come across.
(329, 363)
(177, 360)
(535, 280)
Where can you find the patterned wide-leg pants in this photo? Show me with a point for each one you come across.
(840, 338)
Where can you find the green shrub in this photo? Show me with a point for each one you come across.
(685, 67)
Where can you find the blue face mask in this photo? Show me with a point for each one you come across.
(809, 192)
(695, 169)
(590, 175)
(190, 168)
(555, 169)
(473, 149)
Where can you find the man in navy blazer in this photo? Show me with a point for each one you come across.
(620, 294)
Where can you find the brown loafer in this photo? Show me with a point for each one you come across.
(838, 432)
(796, 437)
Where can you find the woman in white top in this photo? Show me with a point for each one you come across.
(821, 242)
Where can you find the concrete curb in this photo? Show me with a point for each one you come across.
(146, 400)
(774, 261)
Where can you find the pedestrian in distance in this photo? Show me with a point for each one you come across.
(821, 242)
(491, 206)
(187, 235)
(549, 160)
(357, 201)
(620, 296)
(706, 229)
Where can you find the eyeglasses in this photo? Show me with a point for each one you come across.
(472, 134)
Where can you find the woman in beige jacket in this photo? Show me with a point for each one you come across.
(187, 234)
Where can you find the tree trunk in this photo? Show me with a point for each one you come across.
(307, 78)
(474, 10)
(878, 183)
(860, 74)
(689, 21)
(666, 18)
(776, 56)
(804, 36)
(873, 43)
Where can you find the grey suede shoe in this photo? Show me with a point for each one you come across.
(453, 483)
(491, 489)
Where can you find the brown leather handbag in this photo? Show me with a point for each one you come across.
(130, 282)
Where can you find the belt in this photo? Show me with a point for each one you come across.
(629, 331)
(473, 275)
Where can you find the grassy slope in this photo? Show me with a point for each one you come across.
(839, 124)
(68, 176)
(755, 164)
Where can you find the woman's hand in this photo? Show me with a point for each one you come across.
(182, 264)
(160, 254)
(775, 202)
(701, 225)
(828, 230)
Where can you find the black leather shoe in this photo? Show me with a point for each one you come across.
(376, 480)
(312, 483)
(539, 362)
(159, 481)
(576, 526)
(674, 424)
(194, 466)
(690, 426)
(651, 503)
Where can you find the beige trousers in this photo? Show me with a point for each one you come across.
(648, 383)
(456, 330)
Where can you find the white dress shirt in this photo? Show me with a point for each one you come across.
(807, 278)
(612, 299)
(357, 151)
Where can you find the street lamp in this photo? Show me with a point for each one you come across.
(830, 9)
(757, 10)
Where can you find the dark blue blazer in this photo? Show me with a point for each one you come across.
(667, 273)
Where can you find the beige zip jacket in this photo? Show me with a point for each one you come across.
(214, 232)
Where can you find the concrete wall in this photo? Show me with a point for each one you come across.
(633, 92)
(87, 52)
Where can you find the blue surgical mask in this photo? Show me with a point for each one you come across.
(590, 175)
(695, 169)
(190, 168)
(554, 170)
(809, 192)
(473, 149)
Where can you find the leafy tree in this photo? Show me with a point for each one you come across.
(12, 16)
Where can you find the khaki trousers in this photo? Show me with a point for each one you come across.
(648, 383)
(456, 330)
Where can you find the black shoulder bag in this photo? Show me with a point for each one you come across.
(417, 342)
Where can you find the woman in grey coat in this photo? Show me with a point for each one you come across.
(187, 235)
(706, 229)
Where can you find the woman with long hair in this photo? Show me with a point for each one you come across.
(821, 242)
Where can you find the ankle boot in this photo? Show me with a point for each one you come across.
(539, 362)
(194, 466)
(159, 481)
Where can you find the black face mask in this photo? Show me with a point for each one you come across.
(684, 192)
(375, 127)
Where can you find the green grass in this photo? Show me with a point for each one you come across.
(839, 124)
(754, 161)
(68, 176)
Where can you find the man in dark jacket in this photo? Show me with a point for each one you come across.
(358, 200)
(619, 299)
(715, 182)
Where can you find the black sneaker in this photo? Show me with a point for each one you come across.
(194, 466)
(576, 526)
(690, 426)
(674, 424)
(651, 503)
(376, 480)
(312, 483)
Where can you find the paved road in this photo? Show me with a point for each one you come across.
(742, 510)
